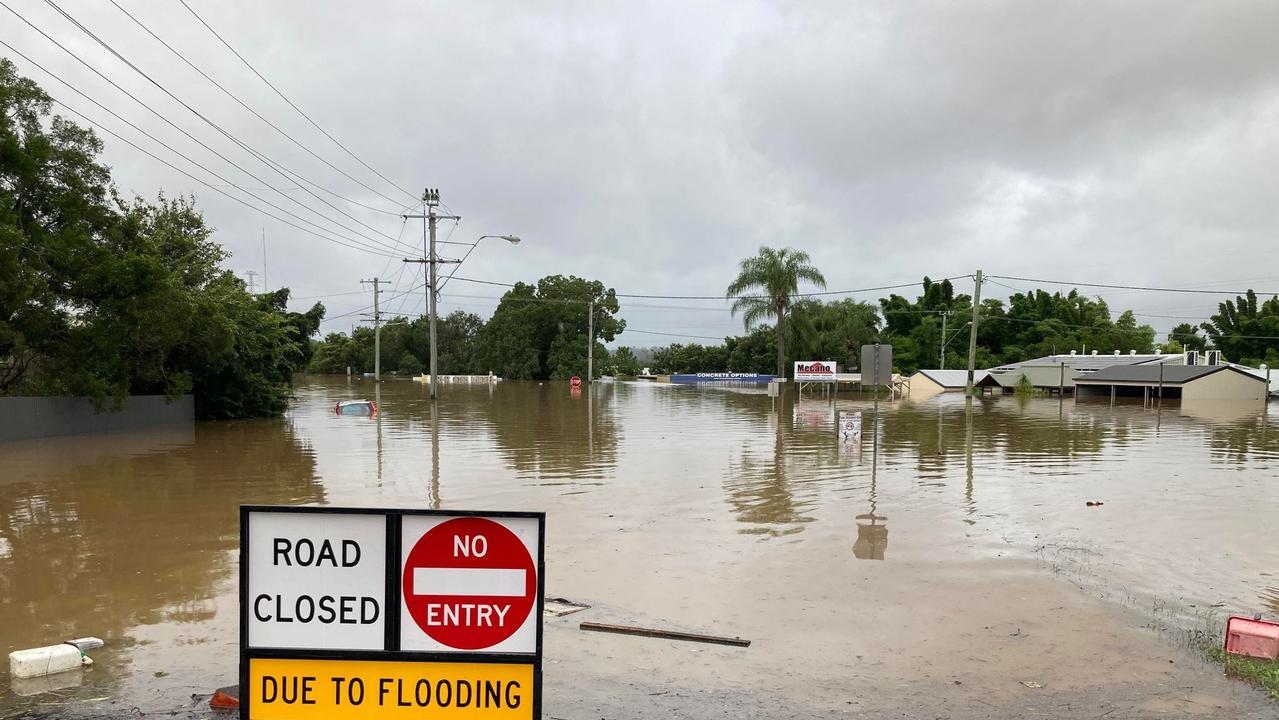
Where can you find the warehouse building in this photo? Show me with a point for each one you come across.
(1055, 373)
(1172, 382)
(931, 382)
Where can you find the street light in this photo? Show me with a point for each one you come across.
(435, 290)
(512, 239)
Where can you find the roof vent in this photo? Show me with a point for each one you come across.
(1094, 352)
(1132, 352)
(1072, 352)
(1116, 353)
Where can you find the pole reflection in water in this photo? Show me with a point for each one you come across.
(435, 456)
(377, 417)
(872, 537)
(969, 504)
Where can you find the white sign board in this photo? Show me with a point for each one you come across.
(851, 425)
(470, 584)
(811, 371)
(316, 582)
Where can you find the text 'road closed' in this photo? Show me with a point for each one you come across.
(390, 690)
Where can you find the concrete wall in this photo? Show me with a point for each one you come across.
(1225, 385)
(26, 418)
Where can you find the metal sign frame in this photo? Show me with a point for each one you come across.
(392, 599)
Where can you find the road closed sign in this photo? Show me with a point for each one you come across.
(316, 585)
(470, 584)
(354, 612)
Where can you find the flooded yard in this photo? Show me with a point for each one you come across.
(959, 554)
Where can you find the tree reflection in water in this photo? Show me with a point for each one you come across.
(138, 534)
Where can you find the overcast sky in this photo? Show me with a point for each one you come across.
(652, 146)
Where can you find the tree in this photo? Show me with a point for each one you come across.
(54, 201)
(832, 331)
(409, 364)
(540, 332)
(1185, 337)
(1245, 330)
(625, 362)
(766, 286)
(106, 297)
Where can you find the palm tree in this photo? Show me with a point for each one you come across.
(765, 287)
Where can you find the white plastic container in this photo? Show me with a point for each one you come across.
(37, 662)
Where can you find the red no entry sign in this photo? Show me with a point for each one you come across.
(470, 583)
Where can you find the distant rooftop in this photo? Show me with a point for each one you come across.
(1172, 374)
(953, 378)
(1089, 363)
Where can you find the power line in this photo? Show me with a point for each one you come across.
(722, 298)
(271, 164)
(217, 190)
(1134, 287)
(242, 104)
(290, 102)
(347, 242)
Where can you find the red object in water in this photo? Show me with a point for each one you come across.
(227, 698)
(1254, 638)
(575, 381)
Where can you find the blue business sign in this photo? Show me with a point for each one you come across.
(723, 377)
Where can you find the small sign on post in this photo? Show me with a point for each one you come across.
(877, 365)
(390, 613)
(851, 426)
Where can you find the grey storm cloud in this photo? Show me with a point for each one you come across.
(651, 146)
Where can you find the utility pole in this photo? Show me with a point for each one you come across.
(972, 337)
(265, 287)
(430, 201)
(590, 342)
(942, 360)
(377, 326)
(252, 274)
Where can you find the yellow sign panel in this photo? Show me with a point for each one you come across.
(388, 690)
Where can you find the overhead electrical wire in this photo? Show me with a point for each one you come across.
(202, 182)
(291, 103)
(1134, 287)
(169, 122)
(347, 242)
(722, 298)
(271, 164)
(259, 116)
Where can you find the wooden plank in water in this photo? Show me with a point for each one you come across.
(664, 634)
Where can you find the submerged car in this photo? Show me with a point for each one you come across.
(366, 408)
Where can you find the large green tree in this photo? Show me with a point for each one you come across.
(1246, 329)
(541, 332)
(766, 285)
(106, 297)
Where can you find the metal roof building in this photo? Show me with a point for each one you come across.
(1186, 382)
(1054, 372)
(928, 382)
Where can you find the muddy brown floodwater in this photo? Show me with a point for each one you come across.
(957, 573)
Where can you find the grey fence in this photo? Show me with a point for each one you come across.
(26, 418)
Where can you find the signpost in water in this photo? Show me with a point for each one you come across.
(390, 613)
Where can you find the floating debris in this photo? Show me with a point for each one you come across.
(664, 634)
(559, 607)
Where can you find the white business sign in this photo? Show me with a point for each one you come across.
(316, 581)
(809, 371)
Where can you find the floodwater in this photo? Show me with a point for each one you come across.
(706, 509)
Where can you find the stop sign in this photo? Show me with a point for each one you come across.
(470, 583)
(575, 381)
